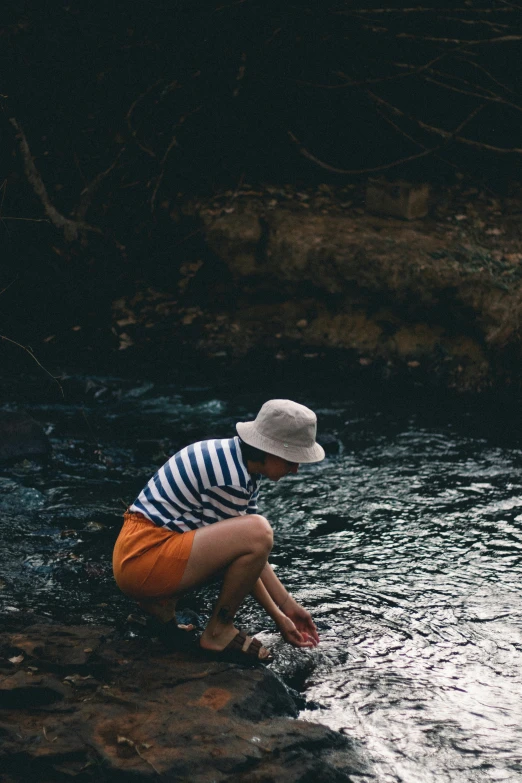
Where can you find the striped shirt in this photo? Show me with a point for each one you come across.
(200, 485)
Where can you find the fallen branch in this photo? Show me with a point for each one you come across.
(90, 189)
(8, 286)
(415, 69)
(173, 143)
(459, 79)
(31, 354)
(490, 99)
(27, 220)
(71, 228)
(461, 41)
(450, 135)
(489, 75)
(131, 128)
(307, 154)
(159, 178)
(420, 9)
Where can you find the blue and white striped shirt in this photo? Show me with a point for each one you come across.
(200, 485)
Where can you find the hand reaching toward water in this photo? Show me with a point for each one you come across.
(290, 634)
(302, 620)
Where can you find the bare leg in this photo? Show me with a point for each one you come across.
(241, 546)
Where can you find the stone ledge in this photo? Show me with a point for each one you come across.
(79, 703)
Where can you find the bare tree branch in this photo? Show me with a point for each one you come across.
(8, 286)
(173, 143)
(70, 228)
(90, 189)
(485, 22)
(448, 136)
(415, 70)
(486, 94)
(489, 75)
(488, 98)
(132, 130)
(461, 41)
(159, 178)
(31, 354)
(444, 133)
(401, 131)
(511, 6)
(26, 220)
(307, 154)
(422, 10)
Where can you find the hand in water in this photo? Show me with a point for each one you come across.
(292, 635)
(302, 620)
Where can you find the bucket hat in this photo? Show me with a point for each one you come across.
(284, 428)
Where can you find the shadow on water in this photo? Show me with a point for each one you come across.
(405, 543)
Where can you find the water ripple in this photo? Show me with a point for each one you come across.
(406, 546)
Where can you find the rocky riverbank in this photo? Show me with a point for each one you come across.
(86, 702)
(83, 703)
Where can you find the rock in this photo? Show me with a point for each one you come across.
(79, 701)
(25, 690)
(21, 437)
(398, 198)
(14, 497)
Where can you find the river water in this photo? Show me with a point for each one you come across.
(405, 543)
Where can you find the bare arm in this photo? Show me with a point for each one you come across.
(275, 588)
(278, 603)
(286, 625)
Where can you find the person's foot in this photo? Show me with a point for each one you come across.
(233, 644)
(217, 639)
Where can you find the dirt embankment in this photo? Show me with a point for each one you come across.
(438, 297)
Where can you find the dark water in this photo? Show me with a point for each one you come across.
(406, 544)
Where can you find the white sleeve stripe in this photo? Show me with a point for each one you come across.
(168, 490)
(215, 462)
(152, 511)
(230, 462)
(231, 496)
(180, 484)
(201, 464)
(188, 467)
(233, 509)
(246, 474)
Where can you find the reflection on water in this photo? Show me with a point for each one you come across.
(406, 544)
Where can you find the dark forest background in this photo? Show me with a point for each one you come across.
(116, 114)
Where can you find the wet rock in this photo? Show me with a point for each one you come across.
(87, 703)
(15, 497)
(330, 443)
(21, 437)
(25, 690)
(397, 198)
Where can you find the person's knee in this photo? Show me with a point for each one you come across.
(262, 533)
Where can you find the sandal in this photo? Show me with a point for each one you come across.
(242, 649)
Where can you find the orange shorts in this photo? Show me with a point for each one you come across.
(149, 561)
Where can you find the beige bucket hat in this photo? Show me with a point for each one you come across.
(284, 428)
